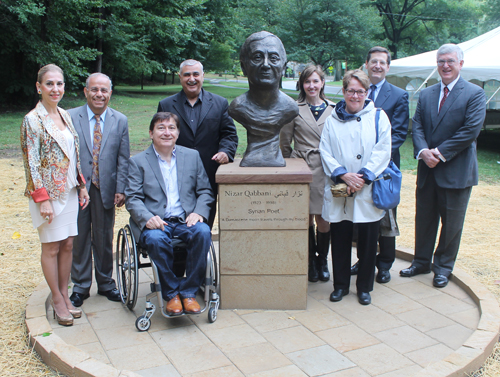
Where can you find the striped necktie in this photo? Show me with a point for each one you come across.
(445, 95)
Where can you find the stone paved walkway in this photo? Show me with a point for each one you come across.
(410, 329)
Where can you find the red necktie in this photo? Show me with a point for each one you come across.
(445, 95)
(96, 150)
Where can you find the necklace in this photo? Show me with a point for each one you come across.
(317, 109)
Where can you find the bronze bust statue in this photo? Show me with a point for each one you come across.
(264, 109)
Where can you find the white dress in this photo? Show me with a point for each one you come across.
(65, 208)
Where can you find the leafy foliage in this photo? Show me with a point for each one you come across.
(131, 40)
(327, 30)
(414, 26)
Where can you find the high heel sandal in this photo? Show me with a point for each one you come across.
(76, 312)
(63, 321)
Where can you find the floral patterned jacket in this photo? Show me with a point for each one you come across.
(46, 160)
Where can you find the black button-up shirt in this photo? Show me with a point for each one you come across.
(193, 111)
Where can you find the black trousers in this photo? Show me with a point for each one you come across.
(433, 204)
(341, 254)
(387, 252)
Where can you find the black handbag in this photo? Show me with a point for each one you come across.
(386, 190)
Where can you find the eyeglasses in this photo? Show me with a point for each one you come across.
(352, 92)
(382, 63)
(450, 62)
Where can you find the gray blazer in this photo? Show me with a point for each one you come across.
(146, 194)
(114, 155)
(453, 131)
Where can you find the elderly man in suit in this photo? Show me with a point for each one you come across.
(169, 195)
(447, 121)
(104, 153)
(394, 101)
(204, 123)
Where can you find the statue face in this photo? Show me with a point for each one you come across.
(264, 64)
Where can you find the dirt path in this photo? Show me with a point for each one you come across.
(20, 270)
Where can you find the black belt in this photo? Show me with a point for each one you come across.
(174, 219)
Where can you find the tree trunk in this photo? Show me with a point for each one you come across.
(142, 80)
(338, 70)
(173, 77)
(98, 67)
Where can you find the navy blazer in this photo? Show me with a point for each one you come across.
(394, 101)
(215, 132)
(453, 132)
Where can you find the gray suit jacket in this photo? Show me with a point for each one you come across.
(453, 131)
(114, 155)
(146, 194)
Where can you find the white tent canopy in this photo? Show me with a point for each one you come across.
(481, 60)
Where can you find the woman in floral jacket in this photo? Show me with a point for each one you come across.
(53, 174)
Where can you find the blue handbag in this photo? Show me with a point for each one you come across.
(386, 190)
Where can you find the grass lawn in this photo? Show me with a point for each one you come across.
(140, 105)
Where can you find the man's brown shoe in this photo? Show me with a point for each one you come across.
(174, 306)
(191, 306)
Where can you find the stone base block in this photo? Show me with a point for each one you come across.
(280, 292)
(271, 252)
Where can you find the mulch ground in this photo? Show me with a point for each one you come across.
(20, 270)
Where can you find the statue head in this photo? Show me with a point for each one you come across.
(263, 59)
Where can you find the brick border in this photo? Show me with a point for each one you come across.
(73, 362)
(56, 353)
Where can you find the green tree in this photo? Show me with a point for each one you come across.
(491, 9)
(327, 30)
(414, 26)
(35, 33)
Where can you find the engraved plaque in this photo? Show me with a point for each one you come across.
(263, 206)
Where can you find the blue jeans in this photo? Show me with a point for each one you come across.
(158, 243)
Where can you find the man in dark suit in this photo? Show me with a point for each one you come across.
(104, 153)
(394, 101)
(204, 123)
(447, 121)
(168, 194)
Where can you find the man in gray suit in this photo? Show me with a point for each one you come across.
(169, 195)
(104, 153)
(447, 121)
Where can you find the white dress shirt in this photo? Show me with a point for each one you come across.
(377, 89)
(169, 173)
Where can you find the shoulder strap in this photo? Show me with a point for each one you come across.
(377, 117)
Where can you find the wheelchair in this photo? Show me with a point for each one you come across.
(128, 262)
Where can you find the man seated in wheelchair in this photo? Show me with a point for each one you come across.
(169, 195)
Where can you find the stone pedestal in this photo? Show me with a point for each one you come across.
(263, 231)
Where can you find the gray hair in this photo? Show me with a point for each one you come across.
(190, 62)
(450, 48)
(98, 74)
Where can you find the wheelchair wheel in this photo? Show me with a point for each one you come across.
(127, 268)
(212, 315)
(143, 323)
